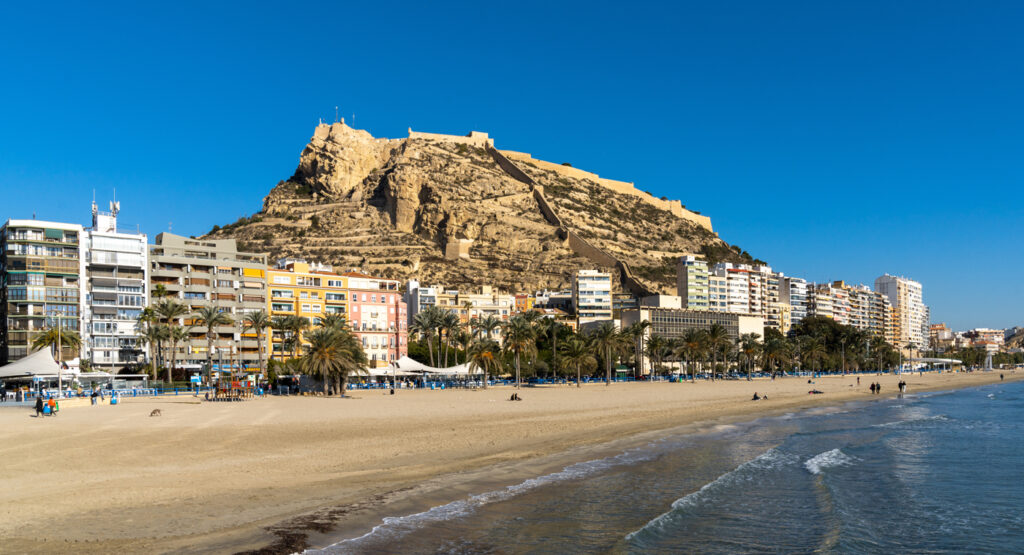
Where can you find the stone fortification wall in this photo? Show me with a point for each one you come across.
(623, 187)
(578, 244)
(475, 138)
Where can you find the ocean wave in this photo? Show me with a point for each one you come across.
(748, 471)
(828, 459)
(934, 418)
(392, 528)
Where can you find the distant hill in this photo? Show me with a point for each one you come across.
(455, 211)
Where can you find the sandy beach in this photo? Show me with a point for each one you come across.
(280, 473)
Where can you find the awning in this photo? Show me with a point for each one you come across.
(39, 363)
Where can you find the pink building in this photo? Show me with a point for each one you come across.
(378, 316)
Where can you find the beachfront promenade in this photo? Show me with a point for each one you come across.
(213, 475)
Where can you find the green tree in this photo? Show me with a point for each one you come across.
(483, 354)
(58, 339)
(605, 339)
(333, 355)
(210, 317)
(519, 338)
(257, 321)
(715, 337)
(577, 354)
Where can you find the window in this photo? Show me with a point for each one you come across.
(316, 309)
(334, 296)
(195, 296)
(282, 279)
(280, 294)
(281, 307)
(303, 295)
(355, 308)
(335, 283)
(364, 297)
(305, 308)
(373, 298)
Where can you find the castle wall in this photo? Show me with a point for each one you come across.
(621, 187)
(475, 138)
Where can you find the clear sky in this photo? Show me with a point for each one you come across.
(836, 140)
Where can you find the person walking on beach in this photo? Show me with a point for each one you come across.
(53, 406)
(872, 387)
(878, 388)
(39, 406)
(858, 380)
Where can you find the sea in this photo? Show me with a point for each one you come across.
(938, 472)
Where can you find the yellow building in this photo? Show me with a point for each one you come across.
(309, 290)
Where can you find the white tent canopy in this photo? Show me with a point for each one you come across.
(39, 363)
(406, 366)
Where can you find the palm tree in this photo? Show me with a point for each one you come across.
(482, 354)
(577, 354)
(169, 311)
(279, 323)
(149, 334)
(336, 321)
(488, 324)
(297, 325)
(607, 341)
(58, 338)
(160, 291)
(175, 335)
(519, 338)
(210, 317)
(423, 324)
(552, 328)
(776, 351)
(812, 351)
(749, 346)
(716, 336)
(259, 320)
(656, 347)
(333, 354)
(463, 339)
(449, 324)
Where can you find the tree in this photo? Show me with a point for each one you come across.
(552, 328)
(463, 339)
(690, 348)
(636, 332)
(608, 341)
(57, 338)
(657, 347)
(576, 353)
(333, 355)
(210, 317)
(176, 334)
(151, 335)
(297, 325)
(258, 320)
(424, 323)
(449, 324)
(715, 337)
(279, 323)
(482, 354)
(519, 338)
(488, 324)
(169, 311)
(159, 291)
(750, 346)
(813, 351)
(776, 349)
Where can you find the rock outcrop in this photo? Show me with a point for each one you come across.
(442, 209)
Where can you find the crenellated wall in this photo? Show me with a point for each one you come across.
(475, 138)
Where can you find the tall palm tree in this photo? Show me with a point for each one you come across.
(776, 351)
(336, 321)
(149, 335)
(175, 335)
(552, 328)
(577, 354)
(210, 317)
(488, 324)
(750, 345)
(463, 339)
(279, 323)
(656, 347)
(716, 336)
(483, 354)
(608, 341)
(519, 338)
(159, 291)
(450, 323)
(297, 325)
(58, 338)
(257, 321)
(170, 311)
(423, 324)
(812, 351)
(690, 349)
(636, 332)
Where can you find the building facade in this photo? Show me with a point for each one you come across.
(693, 282)
(378, 317)
(308, 290)
(206, 272)
(673, 323)
(592, 297)
(906, 297)
(116, 290)
(41, 284)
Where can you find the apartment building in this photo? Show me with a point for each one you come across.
(116, 290)
(793, 292)
(378, 317)
(205, 272)
(693, 281)
(466, 304)
(306, 289)
(41, 284)
(819, 301)
(940, 337)
(592, 297)
(906, 297)
(672, 323)
(718, 293)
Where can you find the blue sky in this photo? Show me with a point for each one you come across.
(836, 140)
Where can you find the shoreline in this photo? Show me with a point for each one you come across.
(283, 474)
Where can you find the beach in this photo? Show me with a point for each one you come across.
(223, 477)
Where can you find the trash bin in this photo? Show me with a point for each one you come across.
(113, 399)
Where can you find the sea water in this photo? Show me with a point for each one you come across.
(932, 473)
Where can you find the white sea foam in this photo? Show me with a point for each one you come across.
(828, 459)
(934, 418)
(748, 471)
(392, 528)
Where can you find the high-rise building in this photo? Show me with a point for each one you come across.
(208, 272)
(793, 291)
(592, 297)
(906, 297)
(41, 268)
(305, 289)
(378, 317)
(692, 282)
(116, 290)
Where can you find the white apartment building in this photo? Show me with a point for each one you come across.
(116, 290)
(793, 291)
(692, 282)
(592, 296)
(906, 297)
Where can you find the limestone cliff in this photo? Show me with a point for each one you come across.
(455, 211)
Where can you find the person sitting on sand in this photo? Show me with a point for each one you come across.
(756, 397)
(764, 397)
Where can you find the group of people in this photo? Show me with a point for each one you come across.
(48, 407)
(875, 388)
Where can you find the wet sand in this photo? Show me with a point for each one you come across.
(286, 472)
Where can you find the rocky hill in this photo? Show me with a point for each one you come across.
(455, 211)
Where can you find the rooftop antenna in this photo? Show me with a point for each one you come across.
(170, 226)
(335, 114)
(353, 119)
